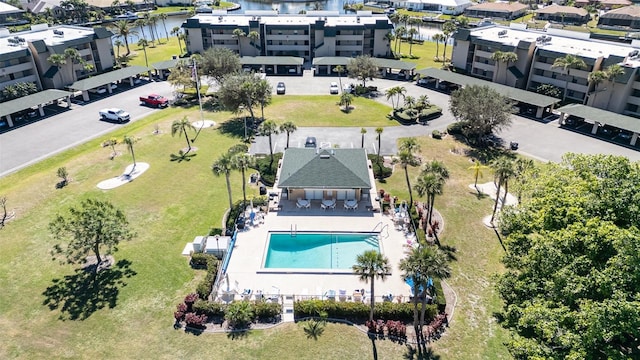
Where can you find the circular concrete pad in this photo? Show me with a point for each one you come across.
(203, 124)
(129, 175)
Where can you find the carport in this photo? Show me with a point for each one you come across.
(599, 117)
(38, 99)
(325, 65)
(93, 82)
(164, 66)
(276, 65)
(538, 100)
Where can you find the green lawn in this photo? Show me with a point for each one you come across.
(155, 53)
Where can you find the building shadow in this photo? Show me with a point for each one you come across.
(79, 295)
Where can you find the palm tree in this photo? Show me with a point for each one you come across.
(224, 166)
(117, 44)
(408, 148)
(400, 32)
(58, 60)
(129, 141)
(567, 63)
(389, 37)
(123, 30)
(477, 172)
(239, 34)
(613, 72)
(409, 102)
(448, 28)
(254, 36)
(269, 128)
(503, 168)
(345, 100)
(431, 182)
(422, 263)
(339, 69)
(596, 78)
(163, 17)
(506, 57)
(141, 23)
(243, 161)
(181, 126)
(288, 127)
(369, 266)
(144, 43)
(397, 92)
(362, 132)
(176, 31)
(412, 32)
(438, 38)
(153, 22)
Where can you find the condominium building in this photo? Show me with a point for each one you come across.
(536, 53)
(25, 55)
(314, 34)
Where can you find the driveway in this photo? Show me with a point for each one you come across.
(33, 142)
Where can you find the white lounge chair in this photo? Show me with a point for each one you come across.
(357, 296)
(330, 295)
(342, 295)
(275, 295)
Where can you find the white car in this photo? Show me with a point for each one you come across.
(333, 88)
(114, 114)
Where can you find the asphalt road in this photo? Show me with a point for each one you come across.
(28, 144)
(33, 142)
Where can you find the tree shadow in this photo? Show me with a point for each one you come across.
(374, 349)
(235, 127)
(79, 295)
(450, 251)
(495, 229)
(238, 334)
(182, 156)
(420, 352)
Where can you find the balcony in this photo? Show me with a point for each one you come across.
(16, 68)
(285, 37)
(349, 37)
(483, 66)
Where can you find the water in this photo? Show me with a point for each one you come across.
(318, 250)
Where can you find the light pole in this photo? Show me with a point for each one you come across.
(218, 245)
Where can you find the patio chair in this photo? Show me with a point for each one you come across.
(275, 295)
(330, 295)
(342, 295)
(246, 294)
(357, 296)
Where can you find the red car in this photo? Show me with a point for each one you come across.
(154, 100)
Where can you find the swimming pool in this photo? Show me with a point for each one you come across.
(304, 250)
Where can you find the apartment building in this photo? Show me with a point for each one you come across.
(537, 51)
(24, 55)
(315, 34)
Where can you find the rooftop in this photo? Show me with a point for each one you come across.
(331, 18)
(586, 48)
(626, 12)
(51, 36)
(499, 6)
(557, 9)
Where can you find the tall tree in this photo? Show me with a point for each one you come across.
(401, 32)
(438, 38)
(243, 161)
(339, 70)
(595, 78)
(94, 227)
(477, 172)
(254, 38)
(431, 182)
(288, 127)
(506, 57)
(269, 128)
(369, 266)
(379, 131)
(181, 126)
(163, 17)
(412, 33)
(421, 264)
(345, 100)
(395, 92)
(363, 131)
(481, 111)
(362, 68)
(218, 62)
(407, 157)
(223, 166)
(129, 141)
(123, 30)
(176, 31)
(143, 44)
(263, 94)
(239, 34)
(503, 168)
(448, 28)
(613, 72)
(242, 91)
(566, 63)
(141, 23)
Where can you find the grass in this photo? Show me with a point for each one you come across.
(159, 52)
(424, 54)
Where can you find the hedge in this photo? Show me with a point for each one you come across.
(239, 207)
(455, 128)
(379, 170)
(262, 311)
(358, 312)
(206, 285)
(268, 174)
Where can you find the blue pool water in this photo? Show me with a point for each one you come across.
(317, 250)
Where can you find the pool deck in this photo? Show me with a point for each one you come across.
(245, 267)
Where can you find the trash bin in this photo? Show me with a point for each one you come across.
(240, 222)
(263, 190)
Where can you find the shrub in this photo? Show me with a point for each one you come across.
(455, 128)
(356, 312)
(199, 260)
(194, 320)
(209, 308)
(239, 314)
(436, 134)
(429, 113)
(205, 286)
(268, 174)
(189, 300)
(264, 311)
(379, 170)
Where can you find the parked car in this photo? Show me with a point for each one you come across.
(114, 114)
(280, 88)
(154, 100)
(310, 142)
(333, 88)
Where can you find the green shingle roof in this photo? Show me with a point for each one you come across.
(524, 96)
(591, 114)
(380, 62)
(327, 169)
(164, 65)
(13, 106)
(109, 77)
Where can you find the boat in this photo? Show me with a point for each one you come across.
(131, 16)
